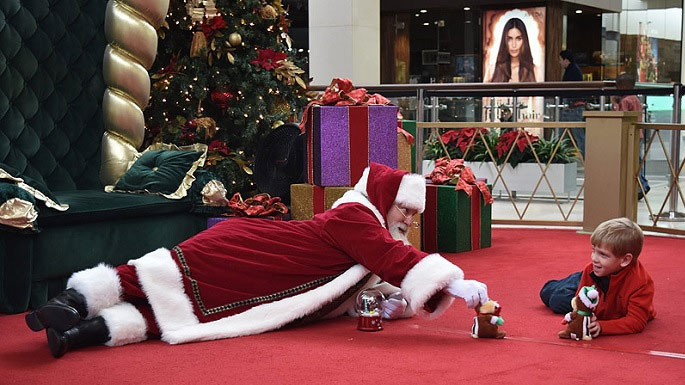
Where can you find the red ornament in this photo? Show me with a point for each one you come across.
(221, 99)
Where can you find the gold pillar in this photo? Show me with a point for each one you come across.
(131, 30)
(611, 161)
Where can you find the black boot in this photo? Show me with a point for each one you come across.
(60, 313)
(85, 333)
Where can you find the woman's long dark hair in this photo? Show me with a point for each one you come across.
(503, 66)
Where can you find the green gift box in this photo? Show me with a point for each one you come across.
(454, 222)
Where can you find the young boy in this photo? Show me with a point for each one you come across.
(625, 288)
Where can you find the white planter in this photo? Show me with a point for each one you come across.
(523, 178)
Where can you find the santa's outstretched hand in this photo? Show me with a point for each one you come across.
(473, 292)
(394, 306)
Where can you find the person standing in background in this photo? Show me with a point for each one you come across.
(573, 111)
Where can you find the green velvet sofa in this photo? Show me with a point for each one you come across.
(51, 128)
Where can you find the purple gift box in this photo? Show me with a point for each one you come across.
(342, 140)
(211, 221)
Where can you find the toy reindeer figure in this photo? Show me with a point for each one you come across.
(487, 321)
(578, 321)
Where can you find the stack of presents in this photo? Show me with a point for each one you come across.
(343, 139)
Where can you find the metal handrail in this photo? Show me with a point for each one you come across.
(607, 87)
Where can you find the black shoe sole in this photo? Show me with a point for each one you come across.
(58, 317)
(56, 342)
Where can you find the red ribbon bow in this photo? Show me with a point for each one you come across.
(454, 171)
(341, 92)
(260, 205)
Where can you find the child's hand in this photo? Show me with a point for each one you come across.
(595, 329)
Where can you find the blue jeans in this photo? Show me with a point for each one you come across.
(557, 294)
(575, 115)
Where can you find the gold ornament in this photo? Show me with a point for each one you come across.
(198, 44)
(234, 39)
(280, 106)
(268, 12)
(208, 125)
(277, 123)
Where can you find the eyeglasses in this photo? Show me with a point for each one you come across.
(413, 224)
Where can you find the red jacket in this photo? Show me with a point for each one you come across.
(627, 305)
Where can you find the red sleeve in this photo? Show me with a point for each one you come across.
(638, 314)
(355, 230)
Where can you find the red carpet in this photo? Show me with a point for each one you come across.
(412, 351)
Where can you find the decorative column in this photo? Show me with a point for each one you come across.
(344, 41)
(131, 30)
(611, 161)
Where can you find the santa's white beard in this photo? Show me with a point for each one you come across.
(399, 231)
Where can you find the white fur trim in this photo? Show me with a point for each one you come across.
(432, 274)
(363, 180)
(494, 319)
(355, 196)
(100, 285)
(161, 281)
(412, 192)
(125, 323)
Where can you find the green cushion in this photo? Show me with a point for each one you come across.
(159, 171)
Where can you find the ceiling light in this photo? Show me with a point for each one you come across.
(467, 8)
(423, 11)
(579, 11)
(417, 15)
(426, 23)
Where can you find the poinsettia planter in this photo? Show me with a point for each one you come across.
(523, 177)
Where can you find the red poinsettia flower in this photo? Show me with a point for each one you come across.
(465, 136)
(268, 58)
(219, 146)
(506, 140)
(214, 24)
(449, 136)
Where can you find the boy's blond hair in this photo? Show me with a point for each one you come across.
(620, 235)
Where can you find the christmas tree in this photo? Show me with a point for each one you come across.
(225, 75)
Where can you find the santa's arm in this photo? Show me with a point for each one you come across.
(423, 285)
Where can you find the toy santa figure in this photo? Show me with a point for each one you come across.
(245, 276)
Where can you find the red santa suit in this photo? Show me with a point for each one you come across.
(248, 276)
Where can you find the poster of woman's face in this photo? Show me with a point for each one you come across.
(514, 51)
(514, 45)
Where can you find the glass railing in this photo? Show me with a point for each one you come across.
(509, 106)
